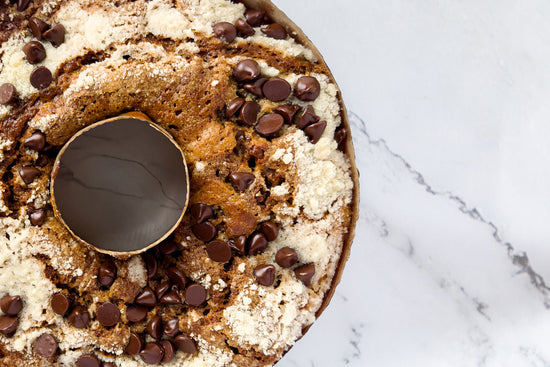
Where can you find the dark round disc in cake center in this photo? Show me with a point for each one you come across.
(121, 185)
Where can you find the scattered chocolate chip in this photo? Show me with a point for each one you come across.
(154, 327)
(238, 244)
(107, 272)
(241, 180)
(340, 136)
(46, 346)
(135, 344)
(315, 131)
(233, 107)
(42, 160)
(257, 243)
(185, 344)
(37, 27)
(162, 288)
(79, 317)
(108, 314)
(8, 325)
(308, 117)
(249, 113)
(172, 327)
(22, 5)
(286, 257)
(246, 71)
(60, 303)
(219, 251)
(11, 305)
(151, 264)
(168, 248)
(8, 93)
(277, 89)
(41, 77)
(254, 17)
(37, 141)
(56, 35)
(244, 29)
(195, 295)
(225, 31)
(152, 353)
(287, 111)
(169, 351)
(205, 231)
(177, 276)
(265, 274)
(201, 212)
(275, 30)
(255, 87)
(307, 88)
(171, 298)
(135, 313)
(146, 298)
(305, 273)
(28, 174)
(88, 360)
(269, 125)
(270, 229)
(34, 52)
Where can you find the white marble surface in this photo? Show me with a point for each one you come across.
(450, 105)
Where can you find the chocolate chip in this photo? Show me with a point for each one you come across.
(205, 231)
(225, 31)
(269, 125)
(168, 248)
(42, 160)
(79, 317)
(277, 89)
(154, 327)
(151, 264)
(195, 295)
(146, 298)
(56, 35)
(246, 71)
(8, 325)
(275, 30)
(135, 313)
(244, 29)
(171, 298)
(46, 346)
(152, 353)
(241, 180)
(305, 273)
(8, 93)
(219, 251)
(238, 244)
(185, 344)
(287, 111)
(41, 77)
(201, 212)
(249, 113)
(28, 174)
(255, 87)
(107, 272)
(270, 230)
(172, 327)
(265, 274)
(254, 17)
(308, 117)
(315, 131)
(108, 314)
(169, 351)
(37, 141)
(37, 27)
(340, 136)
(307, 89)
(233, 107)
(88, 360)
(135, 344)
(177, 276)
(11, 305)
(286, 257)
(60, 303)
(34, 52)
(22, 5)
(257, 243)
(162, 288)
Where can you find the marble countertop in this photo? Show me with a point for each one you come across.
(450, 108)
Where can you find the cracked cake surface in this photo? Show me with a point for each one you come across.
(273, 188)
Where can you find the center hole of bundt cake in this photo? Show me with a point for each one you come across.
(120, 185)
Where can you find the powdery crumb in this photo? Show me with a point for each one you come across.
(137, 272)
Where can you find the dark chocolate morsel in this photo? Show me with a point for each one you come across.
(249, 113)
(270, 230)
(219, 251)
(168, 248)
(287, 111)
(243, 28)
(88, 360)
(46, 345)
(172, 327)
(286, 257)
(22, 5)
(171, 298)
(195, 295)
(254, 17)
(34, 52)
(307, 88)
(201, 212)
(225, 31)
(151, 264)
(185, 344)
(153, 353)
(305, 273)
(265, 274)
(8, 93)
(315, 131)
(107, 272)
(79, 317)
(37, 27)
(238, 245)
(37, 141)
(257, 243)
(205, 231)
(28, 174)
(162, 288)
(146, 298)
(37, 217)
(269, 125)
(135, 313)
(275, 30)
(108, 314)
(246, 71)
(11, 305)
(169, 351)
(241, 180)
(340, 136)
(41, 77)
(255, 87)
(8, 325)
(177, 276)
(56, 35)
(60, 303)
(155, 327)
(135, 344)
(277, 89)
(233, 107)
(308, 117)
